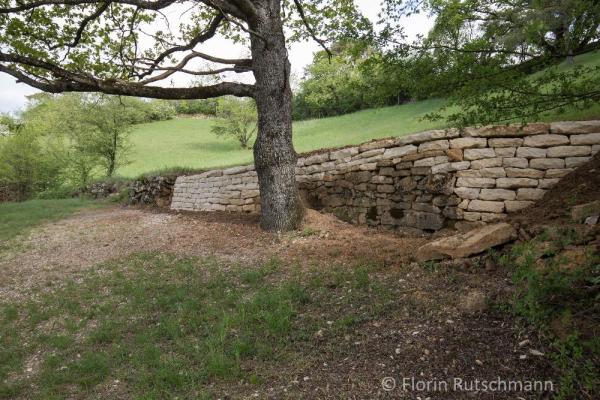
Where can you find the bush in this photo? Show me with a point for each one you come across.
(30, 163)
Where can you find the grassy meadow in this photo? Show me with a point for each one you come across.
(189, 143)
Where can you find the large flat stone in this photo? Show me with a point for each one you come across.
(514, 130)
(468, 244)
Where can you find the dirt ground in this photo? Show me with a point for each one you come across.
(442, 330)
(72, 245)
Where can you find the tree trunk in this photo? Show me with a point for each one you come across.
(274, 154)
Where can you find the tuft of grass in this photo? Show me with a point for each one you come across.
(159, 326)
(18, 218)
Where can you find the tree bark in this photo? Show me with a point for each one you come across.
(274, 154)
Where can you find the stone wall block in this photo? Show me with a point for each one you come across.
(569, 151)
(514, 206)
(487, 163)
(434, 145)
(524, 173)
(477, 182)
(558, 173)
(514, 183)
(531, 152)
(505, 151)
(478, 154)
(514, 130)
(469, 173)
(497, 172)
(396, 152)
(497, 194)
(454, 155)
(344, 153)
(548, 183)
(421, 137)
(548, 140)
(574, 162)
(505, 142)
(515, 162)
(588, 138)
(376, 144)
(468, 193)
(431, 161)
(486, 206)
(547, 163)
(468, 143)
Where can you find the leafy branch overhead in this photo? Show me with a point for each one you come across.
(501, 60)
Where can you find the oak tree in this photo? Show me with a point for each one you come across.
(128, 47)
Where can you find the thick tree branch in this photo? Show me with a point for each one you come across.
(134, 89)
(68, 81)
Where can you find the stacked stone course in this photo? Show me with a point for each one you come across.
(422, 181)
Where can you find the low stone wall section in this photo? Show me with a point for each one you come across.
(422, 181)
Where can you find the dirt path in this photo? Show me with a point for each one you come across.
(73, 245)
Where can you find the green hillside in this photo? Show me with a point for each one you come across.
(188, 142)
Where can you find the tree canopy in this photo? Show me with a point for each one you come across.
(115, 47)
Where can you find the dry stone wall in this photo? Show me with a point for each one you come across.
(423, 181)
